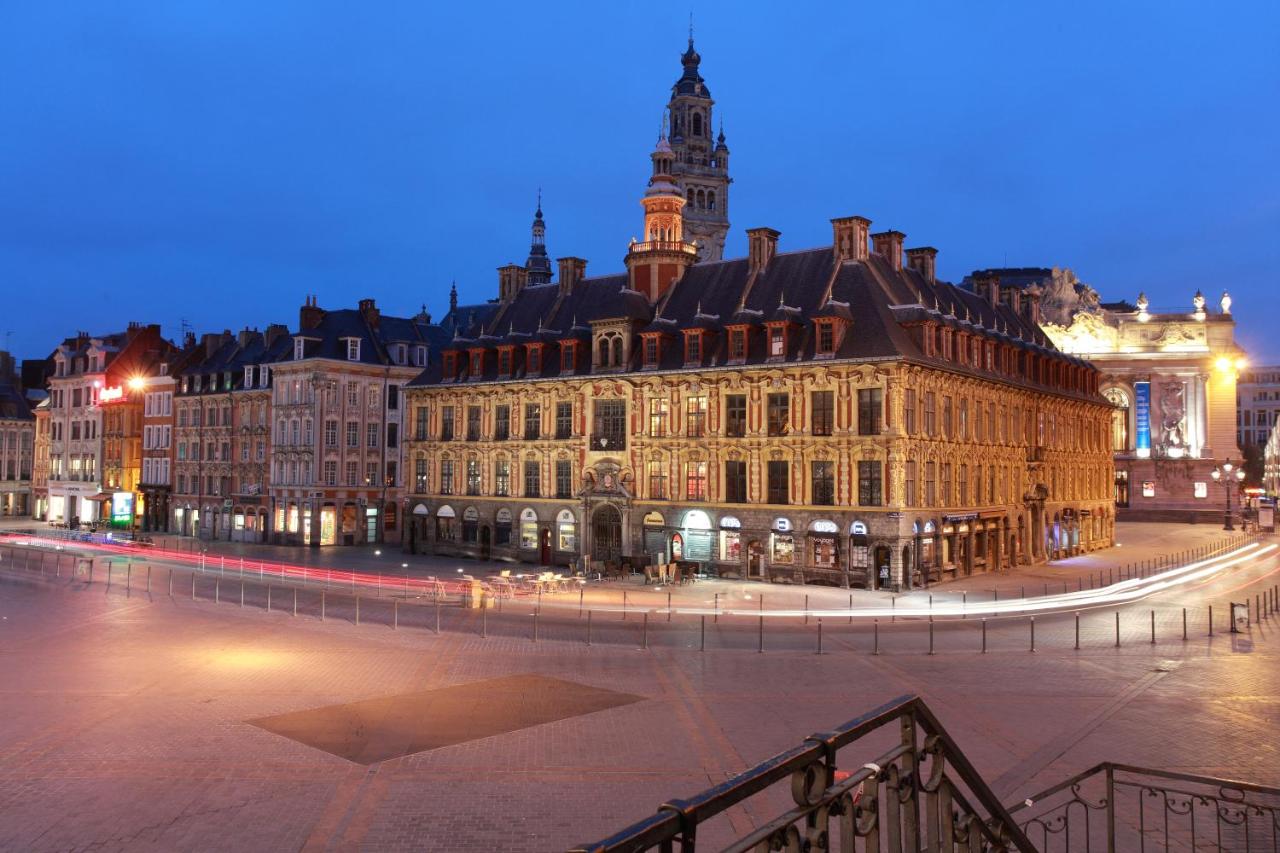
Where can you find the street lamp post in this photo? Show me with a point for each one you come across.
(1224, 474)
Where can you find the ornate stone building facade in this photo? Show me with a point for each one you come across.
(830, 415)
(1171, 376)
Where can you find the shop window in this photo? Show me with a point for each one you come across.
(502, 527)
(528, 530)
(566, 531)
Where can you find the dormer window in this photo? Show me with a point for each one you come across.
(420, 356)
(264, 374)
(477, 363)
(535, 359)
(248, 376)
(693, 346)
(504, 362)
(651, 350)
(353, 349)
(826, 343)
(299, 349)
(737, 345)
(450, 370)
(777, 341)
(568, 356)
(402, 354)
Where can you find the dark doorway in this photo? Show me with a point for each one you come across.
(485, 539)
(544, 551)
(755, 559)
(606, 533)
(884, 574)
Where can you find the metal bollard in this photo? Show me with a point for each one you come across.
(1210, 620)
(1077, 630)
(322, 605)
(484, 621)
(668, 606)
(893, 606)
(193, 586)
(535, 626)
(716, 609)
(850, 608)
(582, 589)
(357, 610)
(1153, 627)
(819, 635)
(268, 598)
(295, 601)
(1033, 633)
(1117, 629)
(171, 583)
(761, 646)
(624, 605)
(875, 648)
(702, 633)
(1184, 623)
(148, 578)
(964, 605)
(644, 631)
(395, 614)
(242, 592)
(217, 591)
(437, 614)
(589, 627)
(931, 637)
(984, 635)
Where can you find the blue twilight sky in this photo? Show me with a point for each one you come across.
(216, 161)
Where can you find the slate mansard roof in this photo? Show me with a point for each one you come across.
(875, 299)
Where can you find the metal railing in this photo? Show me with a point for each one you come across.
(1115, 807)
(920, 794)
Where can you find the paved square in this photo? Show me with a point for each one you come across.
(374, 730)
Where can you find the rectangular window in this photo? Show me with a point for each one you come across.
(930, 484)
(658, 411)
(532, 421)
(909, 483)
(371, 474)
(945, 471)
(930, 414)
(778, 482)
(353, 473)
(947, 421)
(738, 345)
(473, 476)
(735, 482)
(393, 435)
(735, 412)
(696, 420)
(779, 411)
(657, 480)
(535, 360)
(909, 411)
(502, 423)
(826, 339)
(473, 423)
(870, 491)
(567, 357)
(870, 410)
(696, 481)
(502, 478)
(504, 362)
(564, 420)
(446, 476)
(421, 418)
(693, 348)
(330, 472)
(823, 482)
(532, 479)
(393, 396)
(823, 405)
(610, 428)
(420, 476)
(371, 435)
(330, 433)
(777, 342)
(651, 351)
(962, 484)
(446, 423)
(564, 478)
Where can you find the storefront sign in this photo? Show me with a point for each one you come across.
(1142, 417)
(113, 394)
(122, 508)
(960, 516)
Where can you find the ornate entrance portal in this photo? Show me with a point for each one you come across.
(606, 533)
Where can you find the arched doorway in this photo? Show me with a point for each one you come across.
(755, 559)
(606, 533)
(486, 538)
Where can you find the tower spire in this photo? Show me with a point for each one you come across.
(538, 265)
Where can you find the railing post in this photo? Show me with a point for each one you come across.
(1210, 620)
(295, 601)
(819, 635)
(1184, 623)
(1033, 633)
(1111, 810)
(761, 647)
(1153, 627)
(1077, 630)
(875, 648)
(644, 631)
(702, 633)
(589, 627)
(1117, 629)
(984, 635)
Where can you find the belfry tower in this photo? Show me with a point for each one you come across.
(701, 166)
(665, 253)
(538, 265)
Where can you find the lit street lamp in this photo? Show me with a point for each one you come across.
(1222, 474)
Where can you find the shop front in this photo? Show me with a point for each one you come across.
(730, 544)
(861, 572)
(782, 548)
(822, 551)
(655, 537)
(696, 535)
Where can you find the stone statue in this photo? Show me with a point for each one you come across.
(1173, 412)
(1225, 302)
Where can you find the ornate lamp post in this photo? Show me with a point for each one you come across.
(1223, 474)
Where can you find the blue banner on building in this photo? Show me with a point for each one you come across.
(1142, 417)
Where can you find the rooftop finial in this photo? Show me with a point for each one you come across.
(691, 28)
(539, 213)
(453, 297)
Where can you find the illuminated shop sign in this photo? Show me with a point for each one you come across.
(112, 394)
(122, 508)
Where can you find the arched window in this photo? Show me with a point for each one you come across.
(711, 200)
(617, 351)
(602, 353)
(1119, 418)
(697, 124)
(691, 196)
(702, 200)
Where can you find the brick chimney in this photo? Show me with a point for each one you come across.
(924, 260)
(213, 341)
(369, 311)
(246, 337)
(572, 271)
(274, 332)
(310, 315)
(1031, 305)
(849, 237)
(511, 280)
(1012, 296)
(987, 286)
(762, 245)
(888, 244)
